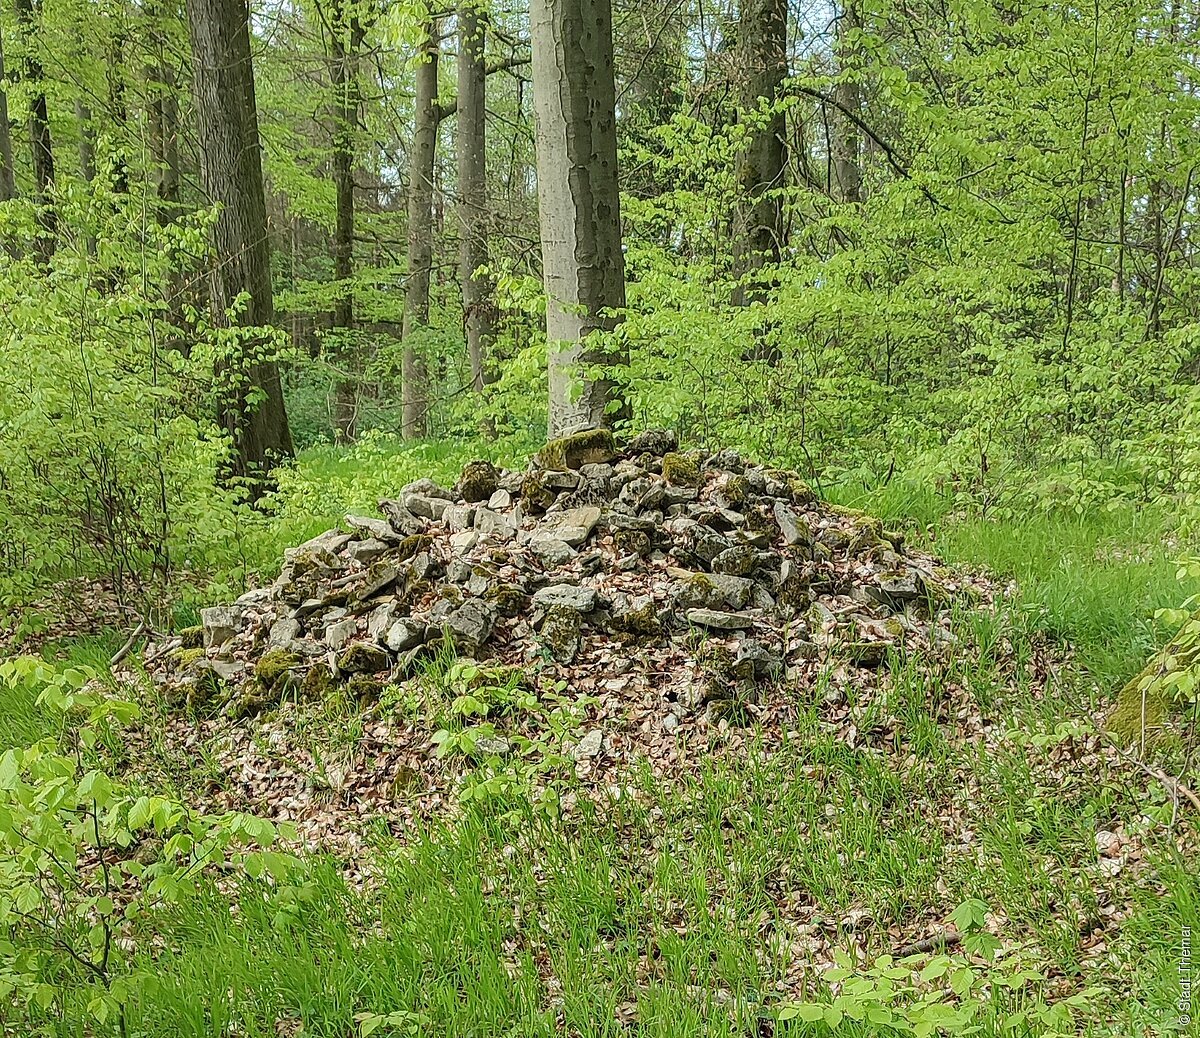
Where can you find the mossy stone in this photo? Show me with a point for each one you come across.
(478, 481)
(275, 666)
(632, 542)
(364, 658)
(589, 447)
(318, 683)
(412, 545)
(363, 687)
(802, 493)
(509, 599)
(534, 492)
(186, 657)
(191, 637)
(736, 491)
(561, 632)
(681, 471)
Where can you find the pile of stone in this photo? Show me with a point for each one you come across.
(592, 548)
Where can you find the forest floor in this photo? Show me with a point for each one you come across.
(706, 893)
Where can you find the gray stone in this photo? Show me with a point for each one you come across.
(552, 551)
(740, 560)
(560, 480)
(500, 499)
(596, 471)
(427, 507)
(459, 517)
(494, 524)
(220, 624)
(478, 584)
(492, 746)
(581, 599)
(719, 620)
(405, 634)
(715, 591)
(283, 633)
(670, 722)
(422, 566)
(339, 633)
(255, 597)
(366, 551)
(331, 541)
(458, 572)
(400, 518)
(463, 541)
(755, 660)
(426, 487)
(574, 525)
(793, 528)
(380, 529)
(470, 625)
(589, 746)
(652, 441)
(380, 620)
(378, 577)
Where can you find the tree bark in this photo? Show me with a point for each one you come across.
(479, 311)
(41, 144)
(578, 202)
(231, 175)
(8, 181)
(164, 121)
(346, 43)
(847, 140)
(758, 238)
(87, 140)
(414, 402)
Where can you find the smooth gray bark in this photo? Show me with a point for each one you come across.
(847, 139)
(231, 175)
(41, 143)
(479, 311)
(414, 404)
(578, 202)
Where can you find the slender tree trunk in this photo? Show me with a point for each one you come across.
(41, 145)
(231, 175)
(118, 110)
(8, 181)
(344, 69)
(479, 311)
(578, 202)
(87, 140)
(164, 120)
(758, 238)
(847, 141)
(414, 403)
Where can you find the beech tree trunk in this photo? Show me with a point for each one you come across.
(164, 121)
(479, 312)
(41, 145)
(231, 175)
(847, 140)
(579, 206)
(414, 403)
(347, 42)
(762, 45)
(8, 180)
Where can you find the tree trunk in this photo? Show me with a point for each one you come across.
(847, 141)
(762, 43)
(41, 145)
(347, 41)
(8, 181)
(479, 311)
(414, 406)
(164, 121)
(578, 203)
(87, 140)
(231, 175)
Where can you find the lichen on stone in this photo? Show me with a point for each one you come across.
(534, 492)
(318, 683)
(681, 471)
(412, 545)
(191, 637)
(363, 658)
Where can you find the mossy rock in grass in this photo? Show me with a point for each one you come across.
(478, 481)
(534, 492)
(275, 666)
(318, 683)
(1152, 702)
(364, 688)
(681, 471)
(412, 545)
(590, 447)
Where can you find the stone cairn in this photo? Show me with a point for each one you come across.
(591, 545)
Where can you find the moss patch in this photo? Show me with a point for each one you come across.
(590, 447)
(681, 471)
(191, 637)
(478, 481)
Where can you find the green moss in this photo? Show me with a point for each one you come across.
(364, 658)
(186, 658)
(716, 660)
(412, 545)
(274, 666)
(535, 493)
(737, 491)
(681, 471)
(642, 620)
(590, 447)
(362, 687)
(507, 598)
(802, 493)
(318, 683)
(561, 632)
(478, 480)
(191, 637)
